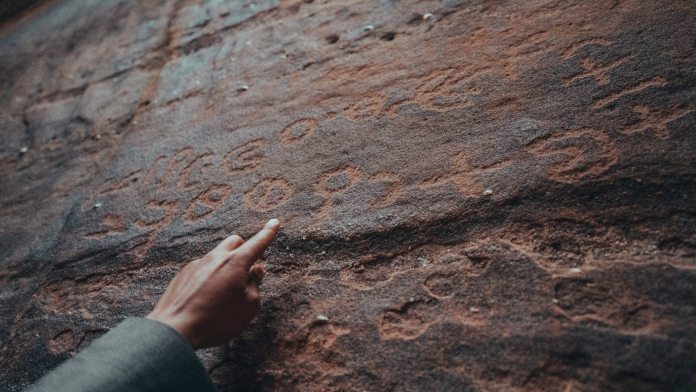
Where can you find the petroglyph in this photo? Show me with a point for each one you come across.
(207, 202)
(407, 321)
(269, 194)
(123, 183)
(298, 130)
(177, 162)
(64, 341)
(441, 284)
(587, 302)
(338, 180)
(111, 224)
(656, 81)
(191, 174)
(366, 108)
(246, 157)
(577, 47)
(576, 154)
(448, 89)
(393, 188)
(655, 120)
(466, 178)
(333, 183)
(600, 73)
(322, 335)
(158, 213)
(531, 46)
(155, 172)
(441, 90)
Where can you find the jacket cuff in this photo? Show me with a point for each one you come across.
(139, 354)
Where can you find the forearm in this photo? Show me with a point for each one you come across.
(137, 355)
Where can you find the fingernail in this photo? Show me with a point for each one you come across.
(273, 222)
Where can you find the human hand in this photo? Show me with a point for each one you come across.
(211, 299)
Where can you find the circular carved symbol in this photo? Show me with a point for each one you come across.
(269, 194)
(298, 130)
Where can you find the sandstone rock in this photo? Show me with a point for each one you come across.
(474, 195)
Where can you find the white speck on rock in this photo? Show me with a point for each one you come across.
(474, 309)
(575, 270)
(322, 318)
(97, 205)
(488, 191)
(368, 28)
(23, 150)
(427, 16)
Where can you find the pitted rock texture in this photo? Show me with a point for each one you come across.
(475, 195)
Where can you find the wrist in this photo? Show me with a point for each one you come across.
(177, 326)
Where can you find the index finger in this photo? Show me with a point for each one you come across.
(254, 247)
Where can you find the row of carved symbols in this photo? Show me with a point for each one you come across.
(648, 119)
(570, 156)
(576, 154)
(442, 90)
(333, 183)
(185, 168)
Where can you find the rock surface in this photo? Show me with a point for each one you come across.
(475, 195)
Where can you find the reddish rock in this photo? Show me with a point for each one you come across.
(474, 195)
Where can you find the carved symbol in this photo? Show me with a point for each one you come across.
(112, 224)
(207, 202)
(269, 194)
(154, 219)
(447, 89)
(322, 335)
(576, 154)
(576, 47)
(196, 169)
(164, 211)
(298, 130)
(64, 341)
(111, 186)
(656, 120)
(465, 177)
(441, 284)
(442, 90)
(406, 322)
(600, 73)
(530, 47)
(366, 108)
(656, 81)
(246, 157)
(392, 191)
(164, 170)
(333, 183)
(179, 158)
(154, 172)
(338, 180)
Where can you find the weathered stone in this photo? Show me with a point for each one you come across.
(474, 195)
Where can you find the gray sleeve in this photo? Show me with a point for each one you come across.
(137, 355)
